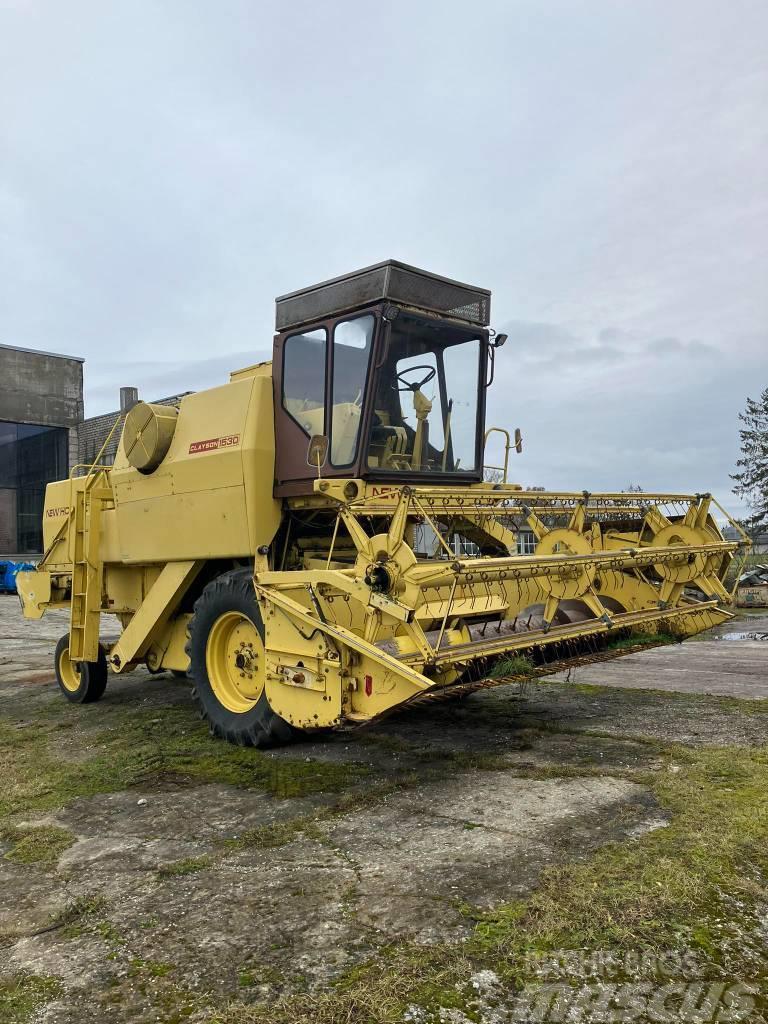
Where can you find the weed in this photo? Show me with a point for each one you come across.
(23, 995)
(638, 639)
(511, 665)
(188, 866)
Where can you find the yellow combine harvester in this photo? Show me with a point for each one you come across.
(314, 544)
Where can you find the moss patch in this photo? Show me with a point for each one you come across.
(626, 641)
(697, 885)
(639, 893)
(41, 844)
(145, 750)
(693, 884)
(187, 866)
(22, 995)
(154, 968)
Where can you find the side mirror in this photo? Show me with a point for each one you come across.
(317, 452)
(518, 440)
(499, 340)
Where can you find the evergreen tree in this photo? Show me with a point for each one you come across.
(752, 476)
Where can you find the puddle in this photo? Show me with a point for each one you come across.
(742, 636)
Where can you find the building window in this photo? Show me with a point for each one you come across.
(526, 543)
(464, 548)
(30, 458)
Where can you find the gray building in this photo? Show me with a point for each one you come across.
(759, 540)
(41, 409)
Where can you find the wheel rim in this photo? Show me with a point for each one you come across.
(69, 675)
(234, 659)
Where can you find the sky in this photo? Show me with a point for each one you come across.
(167, 168)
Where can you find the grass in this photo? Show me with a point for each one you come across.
(79, 916)
(154, 968)
(640, 893)
(511, 665)
(187, 866)
(686, 885)
(675, 888)
(144, 750)
(22, 995)
(639, 639)
(41, 844)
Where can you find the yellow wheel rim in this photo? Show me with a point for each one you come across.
(234, 660)
(70, 677)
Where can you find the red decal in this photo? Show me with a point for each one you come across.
(213, 443)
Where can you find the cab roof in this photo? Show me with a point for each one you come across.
(390, 281)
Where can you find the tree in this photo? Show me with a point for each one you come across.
(752, 476)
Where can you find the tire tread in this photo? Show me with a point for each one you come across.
(261, 726)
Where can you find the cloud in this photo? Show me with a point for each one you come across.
(167, 169)
(674, 346)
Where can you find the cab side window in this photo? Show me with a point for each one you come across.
(352, 342)
(304, 380)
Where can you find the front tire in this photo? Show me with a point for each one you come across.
(81, 682)
(227, 664)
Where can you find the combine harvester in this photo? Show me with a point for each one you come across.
(295, 540)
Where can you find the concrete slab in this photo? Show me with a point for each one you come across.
(357, 870)
(729, 661)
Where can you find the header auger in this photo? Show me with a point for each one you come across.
(314, 545)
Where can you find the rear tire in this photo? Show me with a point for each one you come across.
(228, 667)
(82, 682)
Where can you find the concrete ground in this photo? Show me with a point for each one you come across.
(730, 660)
(182, 883)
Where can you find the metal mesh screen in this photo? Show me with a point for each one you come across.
(426, 291)
(390, 281)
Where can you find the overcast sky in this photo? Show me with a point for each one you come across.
(167, 168)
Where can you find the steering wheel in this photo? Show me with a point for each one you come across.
(415, 386)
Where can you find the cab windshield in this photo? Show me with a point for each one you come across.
(425, 402)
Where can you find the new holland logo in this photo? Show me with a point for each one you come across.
(213, 443)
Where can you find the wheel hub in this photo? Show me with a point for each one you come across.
(69, 672)
(235, 662)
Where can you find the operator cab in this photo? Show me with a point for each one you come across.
(395, 382)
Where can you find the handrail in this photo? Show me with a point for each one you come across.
(96, 463)
(507, 449)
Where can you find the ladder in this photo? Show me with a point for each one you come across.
(87, 566)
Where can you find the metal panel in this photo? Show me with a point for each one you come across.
(390, 281)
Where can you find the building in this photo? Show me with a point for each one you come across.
(41, 409)
(426, 543)
(96, 429)
(759, 540)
